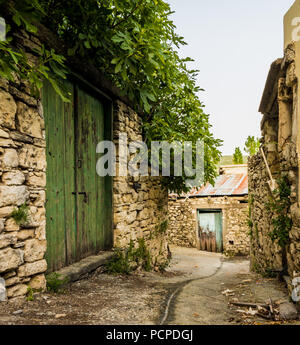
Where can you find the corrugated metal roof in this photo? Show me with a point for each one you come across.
(225, 185)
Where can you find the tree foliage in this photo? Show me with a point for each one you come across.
(16, 62)
(252, 146)
(238, 156)
(135, 44)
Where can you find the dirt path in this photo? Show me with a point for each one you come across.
(190, 292)
(206, 300)
(98, 300)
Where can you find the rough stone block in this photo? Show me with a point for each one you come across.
(25, 234)
(36, 179)
(12, 281)
(29, 121)
(31, 269)
(13, 178)
(38, 198)
(3, 295)
(10, 159)
(7, 240)
(17, 290)
(40, 232)
(32, 157)
(38, 282)
(7, 143)
(10, 259)
(13, 195)
(6, 211)
(11, 225)
(34, 250)
(8, 109)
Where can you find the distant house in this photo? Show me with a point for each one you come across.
(213, 218)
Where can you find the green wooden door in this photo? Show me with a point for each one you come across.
(79, 202)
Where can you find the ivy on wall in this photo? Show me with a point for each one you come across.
(279, 205)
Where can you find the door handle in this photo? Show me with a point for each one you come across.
(86, 198)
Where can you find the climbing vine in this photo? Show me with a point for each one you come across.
(135, 44)
(279, 205)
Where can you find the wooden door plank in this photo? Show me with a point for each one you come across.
(69, 178)
(219, 231)
(60, 176)
(59, 198)
(91, 130)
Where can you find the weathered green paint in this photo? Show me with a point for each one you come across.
(210, 230)
(79, 202)
(219, 231)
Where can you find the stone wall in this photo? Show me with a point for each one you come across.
(279, 142)
(140, 203)
(183, 222)
(22, 181)
(237, 239)
(265, 254)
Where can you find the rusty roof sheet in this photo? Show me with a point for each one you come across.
(225, 185)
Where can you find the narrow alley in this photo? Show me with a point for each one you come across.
(195, 290)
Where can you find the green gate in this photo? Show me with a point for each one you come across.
(78, 201)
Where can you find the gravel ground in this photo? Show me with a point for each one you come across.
(100, 299)
(206, 300)
(141, 299)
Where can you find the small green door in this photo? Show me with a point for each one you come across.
(79, 202)
(210, 232)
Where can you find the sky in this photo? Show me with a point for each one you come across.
(233, 43)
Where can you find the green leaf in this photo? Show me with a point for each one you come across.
(58, 90)
(118, 67)
(87, 44)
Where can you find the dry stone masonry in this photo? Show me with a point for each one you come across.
(279, 143)
(280, 107)
(140, 203)
(23, 181)
(183, 223)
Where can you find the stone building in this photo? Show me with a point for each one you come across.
(48, 170)
(213, 218)
(280, 128)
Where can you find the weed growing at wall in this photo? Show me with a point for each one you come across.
(55, 283)
(20, 215)
(30, 294)
(160, 230)
(279, 205)
(119, 264)
(141, 255)
(128, 260)
(160, 204)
